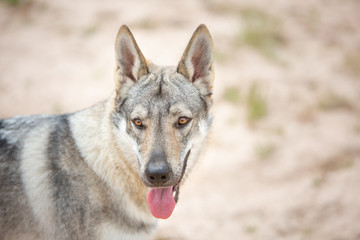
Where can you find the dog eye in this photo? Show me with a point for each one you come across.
(138, 123)
(182, 121)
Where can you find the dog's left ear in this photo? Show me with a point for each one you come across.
(130, 62)
(196, 63)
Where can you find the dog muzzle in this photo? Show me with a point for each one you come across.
(162, 201)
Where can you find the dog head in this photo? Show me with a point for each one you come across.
(164, 110)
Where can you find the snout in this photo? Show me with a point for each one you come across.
(157, 171)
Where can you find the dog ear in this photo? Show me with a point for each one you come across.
(196, 63)
(130, 62)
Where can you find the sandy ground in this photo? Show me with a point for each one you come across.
(283, 161)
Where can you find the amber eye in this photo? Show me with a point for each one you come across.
(183, 120)
(138, 122)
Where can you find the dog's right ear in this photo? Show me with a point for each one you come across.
(130, 62)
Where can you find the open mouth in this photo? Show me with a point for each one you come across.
(162, 201)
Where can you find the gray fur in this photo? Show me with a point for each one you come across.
(81, 175)
(71, 180)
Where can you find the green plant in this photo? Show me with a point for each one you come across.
(12, 2)
(264, 151)
(232, 95)
(220, 57)
(256, 104)
(250, 229)
(90, 30)
(261, 31)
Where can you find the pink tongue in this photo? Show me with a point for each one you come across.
(161, 202)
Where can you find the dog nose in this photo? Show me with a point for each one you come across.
(157, 170)
(157, 173)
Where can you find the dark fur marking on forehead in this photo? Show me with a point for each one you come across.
(160, 130)
(160, 89)
(161, 81)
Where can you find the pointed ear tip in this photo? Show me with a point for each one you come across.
(202, 25)
(124, 32)
(203, 28)
(124, 29)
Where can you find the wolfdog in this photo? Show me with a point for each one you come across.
(108, 171)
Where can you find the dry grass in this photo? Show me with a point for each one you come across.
(340, 161)
(352, 64)
(221, 8)
(332, 101)
(146, 23)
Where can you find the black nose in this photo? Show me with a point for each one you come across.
(157, 170)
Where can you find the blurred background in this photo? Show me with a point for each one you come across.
(283, 160)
